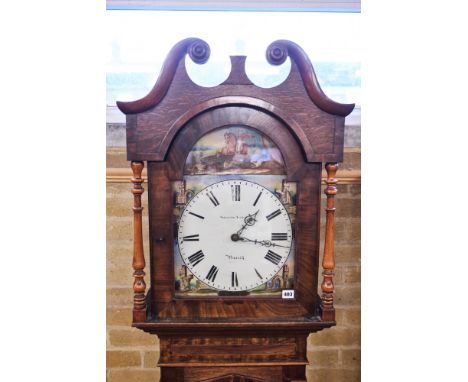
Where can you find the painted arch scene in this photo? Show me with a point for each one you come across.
(234, 150)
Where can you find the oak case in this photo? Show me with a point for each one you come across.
(231, 337)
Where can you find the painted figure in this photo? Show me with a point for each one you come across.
(185, 278)
(234, 150)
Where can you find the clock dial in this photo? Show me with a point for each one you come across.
(234, 235)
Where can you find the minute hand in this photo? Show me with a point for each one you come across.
(266, 243)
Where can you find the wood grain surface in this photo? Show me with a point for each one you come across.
(316, 120)
(234, 338)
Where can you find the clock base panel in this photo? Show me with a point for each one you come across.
(235, 373)
(240, 358)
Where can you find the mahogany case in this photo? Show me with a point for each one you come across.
(262, 339)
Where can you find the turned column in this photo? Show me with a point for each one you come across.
(139, 286)
(328, 263)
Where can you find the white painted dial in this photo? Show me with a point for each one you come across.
(234, 235)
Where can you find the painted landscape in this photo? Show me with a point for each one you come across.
(234, 150)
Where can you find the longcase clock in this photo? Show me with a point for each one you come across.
(234, 180)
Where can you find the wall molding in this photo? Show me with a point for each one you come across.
(123, 175)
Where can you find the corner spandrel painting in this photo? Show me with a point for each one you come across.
(234, 150)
